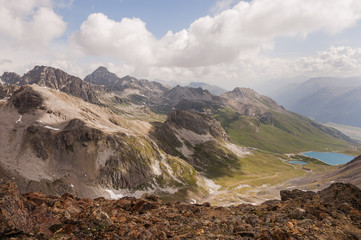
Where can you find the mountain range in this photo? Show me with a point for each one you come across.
(325, 100)
(111, 136)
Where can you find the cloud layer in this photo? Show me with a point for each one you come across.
(232, 46)
(245, 29)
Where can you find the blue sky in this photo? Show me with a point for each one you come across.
(160, 15)
(225, 42)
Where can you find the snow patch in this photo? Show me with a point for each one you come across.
(240, 186)
(212, 186)
(193, 201)
(51, 128)
(156, 168)
(19, 120)
(138, 193)
(113, 195)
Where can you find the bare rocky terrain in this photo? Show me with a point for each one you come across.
(333, 213)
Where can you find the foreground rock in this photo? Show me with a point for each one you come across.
(299, 215)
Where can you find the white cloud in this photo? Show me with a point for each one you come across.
(228, 48)
(245, 29)
(29, 21)
(335, 61)
(128, 39)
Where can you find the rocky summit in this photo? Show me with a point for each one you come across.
(333, 213)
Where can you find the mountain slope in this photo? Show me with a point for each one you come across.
(282, 133)
(249, 118)
(199, 140)
(347, 173)
(56, 143)
(325, 100)
(257, 121)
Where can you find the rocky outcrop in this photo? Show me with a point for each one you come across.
(40, 216)
(342, 193)
(14, 217)
(198, 123)
(177, 94)
(10, 78)
(56, 79)
(26, 100)
(7, 90)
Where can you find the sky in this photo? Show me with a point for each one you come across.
(229, 43)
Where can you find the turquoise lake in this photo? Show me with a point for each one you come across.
(330, 158)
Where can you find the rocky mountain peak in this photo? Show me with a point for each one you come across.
(60, 80)
(10, 78)
(241, 97)
(102, 76)
(101, 69)
(47, 76)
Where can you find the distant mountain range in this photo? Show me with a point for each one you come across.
(325, 100)
(215, 90)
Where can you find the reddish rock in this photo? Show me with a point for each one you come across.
(300, 216)
(14, 217)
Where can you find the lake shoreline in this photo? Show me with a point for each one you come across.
(330, 158)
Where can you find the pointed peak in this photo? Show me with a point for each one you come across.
(101, 69)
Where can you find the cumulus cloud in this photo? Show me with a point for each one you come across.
(334, 61)
(128, 39)
(30, 21)
(247, 28)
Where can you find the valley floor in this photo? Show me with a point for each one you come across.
(262, 175)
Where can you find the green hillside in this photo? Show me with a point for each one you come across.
(283, 133)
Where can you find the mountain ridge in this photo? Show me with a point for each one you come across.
(215, 90)
(325, 100)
